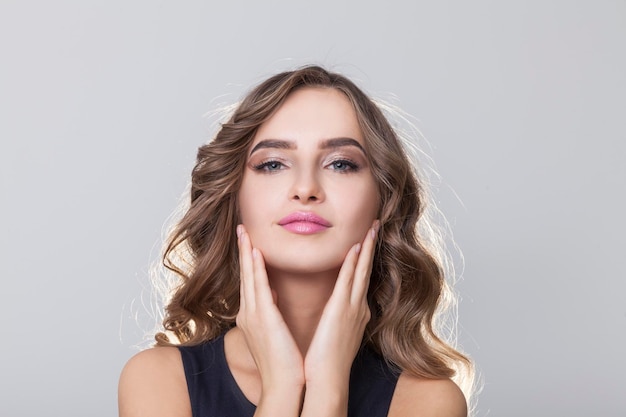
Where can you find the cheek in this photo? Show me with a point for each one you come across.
(244, 204)
(249, 196)
(257, 202)
(360, 208)
(363, 202)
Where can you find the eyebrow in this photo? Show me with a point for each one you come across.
(287, 144)
(339, 142)
(273, 144)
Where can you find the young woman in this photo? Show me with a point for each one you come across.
(306, 289)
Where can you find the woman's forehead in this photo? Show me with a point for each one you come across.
(312, 115)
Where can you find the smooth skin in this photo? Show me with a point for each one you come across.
(303, 297)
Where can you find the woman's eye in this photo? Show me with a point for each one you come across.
(344, 165)
(269, 166)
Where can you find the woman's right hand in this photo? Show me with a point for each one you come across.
(269, 340)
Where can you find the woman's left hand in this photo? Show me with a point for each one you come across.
(340, 331)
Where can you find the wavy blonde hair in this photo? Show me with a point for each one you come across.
(408, 293)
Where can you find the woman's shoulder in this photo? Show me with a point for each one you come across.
(153, 383)
(422, 397)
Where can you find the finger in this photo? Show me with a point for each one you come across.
(364, 265)
(242, 298)
(262, 288)
(247, 269)
(346, 273)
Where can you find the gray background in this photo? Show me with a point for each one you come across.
(524, 104)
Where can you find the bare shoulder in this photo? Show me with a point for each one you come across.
(153, 384)
(421, 397)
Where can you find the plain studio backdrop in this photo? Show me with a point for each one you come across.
(523, 104)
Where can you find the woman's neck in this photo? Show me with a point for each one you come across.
(301, 300)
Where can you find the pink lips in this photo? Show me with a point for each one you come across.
(304, 223)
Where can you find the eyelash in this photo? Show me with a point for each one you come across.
(350, 166)
(265, 166)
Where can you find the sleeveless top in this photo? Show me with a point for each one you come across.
(213, 391)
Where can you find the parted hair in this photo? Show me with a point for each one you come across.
(408, 287)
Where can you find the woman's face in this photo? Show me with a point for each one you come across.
(308, 193)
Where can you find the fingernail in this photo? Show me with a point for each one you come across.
(239, 227)
(357, 249)
(377, 225)
(255, 252)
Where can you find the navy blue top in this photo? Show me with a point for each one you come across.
(213, 391)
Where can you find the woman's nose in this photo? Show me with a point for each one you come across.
(307, 188)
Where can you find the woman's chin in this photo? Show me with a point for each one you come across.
(302, 267)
